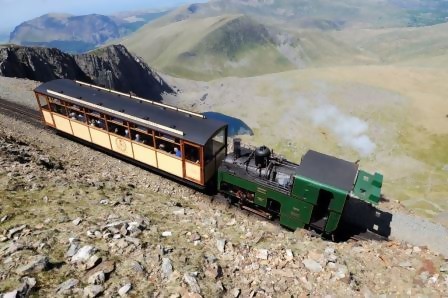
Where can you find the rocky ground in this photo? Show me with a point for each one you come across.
(76, 222)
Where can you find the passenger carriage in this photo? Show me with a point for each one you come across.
(181, 144)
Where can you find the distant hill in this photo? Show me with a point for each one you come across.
(253, 37)
(113, 67)
(78, 34)
(416, 45)
(205, 48)
(329, 14)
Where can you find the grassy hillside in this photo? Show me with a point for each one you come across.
(248, 38)
(207, 48)
(422, 46)
(328, 14)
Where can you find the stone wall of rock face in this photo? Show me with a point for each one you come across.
(113, 67)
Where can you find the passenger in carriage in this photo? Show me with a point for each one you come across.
(72, 115)
(137, 138)
(100, 124)
(81, 118)
(177, 152)
(126, 133)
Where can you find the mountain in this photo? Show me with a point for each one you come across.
(206, 48)
(112, 66)
(78, 33)
(244, 38)
(328, 14)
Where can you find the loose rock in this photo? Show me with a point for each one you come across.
(93, 291)
(220, 244)
(123, 291)
(167, 234)
(35, 265)
(167, 268)
(97, 278)
(262, 254)
(67, 285)
(192, 283)
(83, 254)
(312, 265)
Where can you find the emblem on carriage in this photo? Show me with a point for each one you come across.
(121, 144)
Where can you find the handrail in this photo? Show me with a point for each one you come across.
(110, 111)
(145, 100)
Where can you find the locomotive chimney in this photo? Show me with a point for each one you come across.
(237, 148)
(262, 157)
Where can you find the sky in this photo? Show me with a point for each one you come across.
(14, 12)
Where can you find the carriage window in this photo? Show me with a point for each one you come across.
(97, 122)
(215, 145)
(192, 153)
(43, 102)
(76, 114)
(220, 137)
(165, 146)
(143, 137)
(118, 129)
(168, 138)
(118, 121)
(57, 106)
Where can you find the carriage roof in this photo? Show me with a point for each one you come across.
(186, 125)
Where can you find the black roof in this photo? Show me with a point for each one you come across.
(328, 170)
(194, 129)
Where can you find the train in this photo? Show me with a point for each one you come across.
(192, 149)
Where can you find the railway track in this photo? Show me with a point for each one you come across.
(20, 112)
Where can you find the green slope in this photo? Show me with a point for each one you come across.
(422, 46)
(207, 48)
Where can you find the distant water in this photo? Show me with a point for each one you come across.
(236, 126)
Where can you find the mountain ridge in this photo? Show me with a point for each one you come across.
(113, 67)
(78, 33)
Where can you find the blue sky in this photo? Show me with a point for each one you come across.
(14, 12)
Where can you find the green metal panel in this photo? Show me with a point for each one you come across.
(339, 198)
(261, 198)
(332, 222)
(234, 180)
(294, 213)
(305, 189)
(368, 187)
